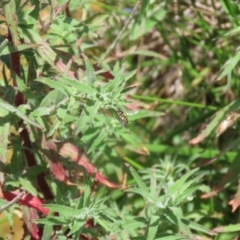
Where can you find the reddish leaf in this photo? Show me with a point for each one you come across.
(59, 172)
(60, 65)
(237, 237)
(219, 229)
(29, 215)
(100, 178)
(68, 150)
(228, 122)
(233, 171)
(107, 75)
(27, 200)
(235, 202)
(208, 195)
(1, 183)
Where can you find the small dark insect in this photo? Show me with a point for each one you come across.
(122, 118)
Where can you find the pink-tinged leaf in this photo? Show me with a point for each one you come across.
(1, 183)
(29, 216)
(45, 51)
(68, 150)
(228, 122)
(107, 75)
(132, 106)
(215, 122)
(235, 202)
(209, 194)
(27, 200)
(10, 11)
(63, 68)
(58, 171)
(101, 179)
(229, 177)
(140, 150)
(56, 168)
(228, 228)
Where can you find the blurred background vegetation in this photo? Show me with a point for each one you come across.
(171, 67)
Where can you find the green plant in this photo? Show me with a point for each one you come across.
(91, 90)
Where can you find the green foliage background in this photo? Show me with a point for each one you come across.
(172, 68)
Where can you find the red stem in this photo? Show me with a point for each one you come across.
(27, 145)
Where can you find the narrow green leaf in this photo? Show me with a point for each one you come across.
(77, 227)
(27, 185)
(198, 227)
(145, 194)
(229, 65)
(3, 46)
(10, 11)
(172, 237)
(47, 232)
(153, 184)
(11, 49)
(4, 132)
(53, 98)
(56, 85)
(90, 70)
(174, 189)
(98, 141)
(153, 227)
(139, 180)
(135, 223)
(145, 113)
(87, 191)
(63, 210)
(229, 228)
(53, 221)
(41, 111)
(146, 53)
(13, 110)
(82, 87)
